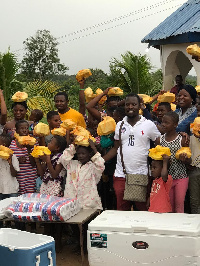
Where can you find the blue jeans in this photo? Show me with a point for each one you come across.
(5, 196)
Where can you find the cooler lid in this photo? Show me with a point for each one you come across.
(147, 222)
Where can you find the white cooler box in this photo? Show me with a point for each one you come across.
(144, 238)
(19, 248)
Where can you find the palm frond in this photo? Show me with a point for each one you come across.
(45, 88)
(39, 102)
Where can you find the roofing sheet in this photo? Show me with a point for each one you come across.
(185, 19)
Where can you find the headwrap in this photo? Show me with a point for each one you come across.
(191, 90)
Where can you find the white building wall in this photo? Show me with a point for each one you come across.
(176, 61)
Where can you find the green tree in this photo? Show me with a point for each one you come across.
(131, 73)
(156, 81)
(41, 59)
(8, 69)
(99, 79)
(192, 80)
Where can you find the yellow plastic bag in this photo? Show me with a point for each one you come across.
(68, 124)
(19, 96)
(166, 97)
(5, 152)
(41, 129)
(83, 141)
(89, 95)
(84, 73)
(4, 155)
(173, 106)
(197, 89)
(61, 131)
(107, 126)
(26, 140)
(193, 49)
(80, 131)
(195, 126)
(157, 152)
(103, 99)
(183, 150)
(81, 136)
(115, 91)
(40, 151)
(146, 98)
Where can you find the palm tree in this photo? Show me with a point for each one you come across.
(131, 73)
(8, 70)
(41, 95)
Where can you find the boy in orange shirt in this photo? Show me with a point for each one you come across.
(159, 197)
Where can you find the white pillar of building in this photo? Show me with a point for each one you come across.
(176, 61)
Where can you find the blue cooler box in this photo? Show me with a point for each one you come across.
(19, 248)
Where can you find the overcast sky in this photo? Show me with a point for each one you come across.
(122, 25)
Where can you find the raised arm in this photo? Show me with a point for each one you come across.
(3, 116)
(91, 106)
(67, 155)
(41, 167)
(98, 162)
(164, 172)
(82, 107)
(155, 97)
(54, 172)
(112, 152)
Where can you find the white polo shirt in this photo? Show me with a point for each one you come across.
(135, 145)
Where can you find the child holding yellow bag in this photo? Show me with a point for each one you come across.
(177, 169)
(28, 173)
(159, 196)
(83, 174)
(50, 169)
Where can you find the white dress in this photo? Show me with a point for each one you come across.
(8, 183)
(82, 180)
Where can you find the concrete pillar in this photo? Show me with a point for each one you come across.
(176, 61)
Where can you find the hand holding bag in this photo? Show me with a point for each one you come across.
(136, 184)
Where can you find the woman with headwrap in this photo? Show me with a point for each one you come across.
(187, 113)
(19, 111)
(187, 110)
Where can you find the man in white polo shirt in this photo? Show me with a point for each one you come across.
(136, 134)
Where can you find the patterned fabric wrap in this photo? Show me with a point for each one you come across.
(52, 187)
(47, 176)
(40, 207)
(185, 119)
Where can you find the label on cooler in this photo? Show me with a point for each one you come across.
(98, 244)
(98, 240)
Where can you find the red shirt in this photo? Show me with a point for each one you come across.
(159, 197)
(176, 89)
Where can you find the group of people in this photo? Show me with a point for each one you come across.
(96, 174)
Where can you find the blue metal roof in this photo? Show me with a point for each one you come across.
(184, 20)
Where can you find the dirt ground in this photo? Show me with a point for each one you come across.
(70, 257)
(70, 252)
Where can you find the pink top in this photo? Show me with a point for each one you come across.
(159, 197)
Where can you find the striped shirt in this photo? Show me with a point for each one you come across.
(28, 174)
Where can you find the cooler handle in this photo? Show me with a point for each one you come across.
(50, 258)
(38, 260)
